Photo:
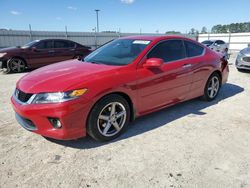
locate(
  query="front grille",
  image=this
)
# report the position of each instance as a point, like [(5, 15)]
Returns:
[(21, 96), (246, 59)]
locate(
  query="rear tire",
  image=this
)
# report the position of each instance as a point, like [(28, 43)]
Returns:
[(212, 87), (109, 118)]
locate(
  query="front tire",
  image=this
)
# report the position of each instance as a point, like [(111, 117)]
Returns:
[(212, 87), (108, 118), (78, 57), (16, 65)]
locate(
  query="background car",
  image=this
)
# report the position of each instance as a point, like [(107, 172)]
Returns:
[(216, 45), (243, 59), (124, 79), (39, 53)]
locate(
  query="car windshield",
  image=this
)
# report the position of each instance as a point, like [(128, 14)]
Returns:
[(207, 42), (30, 44), (118, 52)]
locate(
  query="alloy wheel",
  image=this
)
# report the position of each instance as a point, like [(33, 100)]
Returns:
[(111, 119), (16, 65), (213, 87)]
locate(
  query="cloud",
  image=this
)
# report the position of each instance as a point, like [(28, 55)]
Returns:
[(71, 8), (14, 12), (128, 1), (59, 18)]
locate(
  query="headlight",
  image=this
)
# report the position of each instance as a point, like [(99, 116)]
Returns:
[(43, 98), (2, 54)]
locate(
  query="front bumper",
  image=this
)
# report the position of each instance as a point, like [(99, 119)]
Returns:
[(72, 115), (242, 64), (3, 62)]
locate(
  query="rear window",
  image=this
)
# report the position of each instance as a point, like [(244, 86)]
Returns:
[(45, 44), (207, 42), (61, 44), (220, 42), (193, 49), (71, 44)]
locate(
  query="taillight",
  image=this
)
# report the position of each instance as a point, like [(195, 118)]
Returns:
[(224, 63)]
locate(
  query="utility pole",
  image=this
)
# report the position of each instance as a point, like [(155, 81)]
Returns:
[(66, 32), (30, 32), (95, 37), (97, 20)]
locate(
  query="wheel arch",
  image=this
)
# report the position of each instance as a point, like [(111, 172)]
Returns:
[(217, 72), (125, 96), (19, 57)]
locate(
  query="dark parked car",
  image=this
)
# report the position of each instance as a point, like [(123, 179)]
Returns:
[(39, 53)]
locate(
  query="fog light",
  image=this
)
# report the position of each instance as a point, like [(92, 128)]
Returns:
[(55, 122)]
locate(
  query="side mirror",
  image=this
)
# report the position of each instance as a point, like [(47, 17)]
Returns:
[(153, 63)]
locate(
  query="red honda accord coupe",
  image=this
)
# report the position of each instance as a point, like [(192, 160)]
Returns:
[(124, 79)]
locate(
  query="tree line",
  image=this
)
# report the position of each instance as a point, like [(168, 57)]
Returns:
[(228, 28), (232, 28)]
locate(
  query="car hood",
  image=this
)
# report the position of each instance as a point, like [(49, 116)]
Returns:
[(11, 49), (246, 51), (63, 76)]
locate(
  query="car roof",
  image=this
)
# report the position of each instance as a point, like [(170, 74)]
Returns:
[(214, 40), (54, 39), (153, 37), (210, 40)]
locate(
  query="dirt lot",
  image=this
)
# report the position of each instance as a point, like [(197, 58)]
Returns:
[(193, 144)]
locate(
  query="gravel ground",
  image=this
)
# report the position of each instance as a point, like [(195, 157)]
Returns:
[(193, 144)]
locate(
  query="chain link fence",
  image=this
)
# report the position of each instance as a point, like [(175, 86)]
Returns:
[(93, 39)]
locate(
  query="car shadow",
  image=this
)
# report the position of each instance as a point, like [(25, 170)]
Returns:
[(244, 70), (157, 119), (11, 73)]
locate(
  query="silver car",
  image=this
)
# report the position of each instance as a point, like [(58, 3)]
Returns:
[(243, 59), (216, 45)]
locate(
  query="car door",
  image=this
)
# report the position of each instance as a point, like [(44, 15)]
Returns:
[(198, 65), (41, 54), (63, 50), (168, 84)]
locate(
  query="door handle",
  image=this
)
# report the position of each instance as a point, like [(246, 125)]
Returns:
[(187, 65)]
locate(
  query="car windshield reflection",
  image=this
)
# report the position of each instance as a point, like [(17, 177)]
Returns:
[(118, 52)]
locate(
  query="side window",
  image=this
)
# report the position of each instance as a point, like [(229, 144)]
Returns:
[(220, 42), (61, 44), (170, 50), (45, 45), (193, 49), (71, 44)]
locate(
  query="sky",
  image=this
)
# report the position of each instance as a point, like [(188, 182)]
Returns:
[(147, 16)]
